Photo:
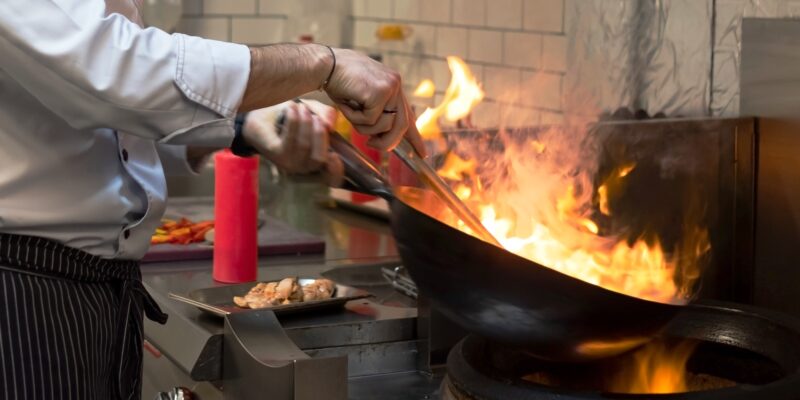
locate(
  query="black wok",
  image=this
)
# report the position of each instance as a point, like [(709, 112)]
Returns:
[(497, 294)]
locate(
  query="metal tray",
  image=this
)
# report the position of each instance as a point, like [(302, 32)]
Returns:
[(219, 300)]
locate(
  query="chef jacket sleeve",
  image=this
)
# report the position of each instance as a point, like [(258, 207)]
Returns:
[(174, 161), (111, 73)]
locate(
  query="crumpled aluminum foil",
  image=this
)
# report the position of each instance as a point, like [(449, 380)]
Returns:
[(648, 55), (679, 57)]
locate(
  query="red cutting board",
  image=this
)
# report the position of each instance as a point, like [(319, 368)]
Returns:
[(275, 237)]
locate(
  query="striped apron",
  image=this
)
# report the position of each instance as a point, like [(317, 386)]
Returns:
[(70, 323)]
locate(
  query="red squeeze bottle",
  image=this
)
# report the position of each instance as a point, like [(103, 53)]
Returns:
[(236, 217)]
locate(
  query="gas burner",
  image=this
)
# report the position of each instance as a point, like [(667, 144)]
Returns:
[(738, 353)]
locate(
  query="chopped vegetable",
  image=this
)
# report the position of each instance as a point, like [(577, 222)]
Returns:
[(183, 231)]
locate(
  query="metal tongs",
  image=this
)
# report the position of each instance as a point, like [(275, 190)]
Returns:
[(406, 152)]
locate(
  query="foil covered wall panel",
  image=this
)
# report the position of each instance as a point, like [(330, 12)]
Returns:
[(728, 45), (652, 55)]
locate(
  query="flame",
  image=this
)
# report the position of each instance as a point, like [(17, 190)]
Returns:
[(539, 206), (640, 269), (562, 235), (425, 89), (462, 94), (625, 170), (456, 168), (614, 180), (656, 368)]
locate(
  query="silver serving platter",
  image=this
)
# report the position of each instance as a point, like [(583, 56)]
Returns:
[(219, 300)]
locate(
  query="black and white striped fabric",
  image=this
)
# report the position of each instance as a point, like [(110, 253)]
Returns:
[(70, 323)]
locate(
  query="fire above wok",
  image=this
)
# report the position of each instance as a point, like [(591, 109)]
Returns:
[(498, 294)]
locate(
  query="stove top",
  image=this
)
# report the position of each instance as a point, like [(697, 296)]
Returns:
[(738, 353)]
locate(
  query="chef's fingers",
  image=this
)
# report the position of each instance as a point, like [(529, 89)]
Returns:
[(305, 142), (325, 112), (334, 170), (369, 112), (388, 140), (319, 142), (384, 124), (290, 128)]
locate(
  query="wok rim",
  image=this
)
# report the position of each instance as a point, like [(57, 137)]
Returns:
[(397, 199)]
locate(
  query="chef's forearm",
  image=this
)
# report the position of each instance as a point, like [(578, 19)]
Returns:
[(284, 71)]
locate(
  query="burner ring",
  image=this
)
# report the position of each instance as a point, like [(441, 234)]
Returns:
[(758, 349)]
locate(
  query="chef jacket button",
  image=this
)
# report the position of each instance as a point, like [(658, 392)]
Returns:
[(126, 233), (124, 155)]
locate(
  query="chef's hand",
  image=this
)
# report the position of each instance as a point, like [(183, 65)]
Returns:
[(371, 96), (300, 144)]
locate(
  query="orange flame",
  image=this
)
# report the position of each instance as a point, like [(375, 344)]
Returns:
[(541, 216), (456, 168), (613, 180), (425, 89), (656, 368), (462, 94)]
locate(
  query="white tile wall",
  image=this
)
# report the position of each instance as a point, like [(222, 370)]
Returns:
[(522, 49), (441, 75), (434, 11), (254, 22), (192, 7), (554, 53), (451, 41), (359, 8), (505, 42), (543, 15), (364, 34), (211, 28), (274, 7), (379, 8), (470, 12), (252, 30), (406, 10), (504, 14), (485, 46), (229, 7), (502, 83), (425, 37)]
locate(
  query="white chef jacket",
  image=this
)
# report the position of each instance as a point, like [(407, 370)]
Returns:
[(90, 103)]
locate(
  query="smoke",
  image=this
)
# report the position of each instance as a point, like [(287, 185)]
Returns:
[(543, 185)]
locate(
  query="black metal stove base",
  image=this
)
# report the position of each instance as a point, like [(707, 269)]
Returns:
[(757, 349)]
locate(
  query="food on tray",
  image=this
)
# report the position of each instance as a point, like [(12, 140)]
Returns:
[(287, 291), (320, 289), (183, 231)]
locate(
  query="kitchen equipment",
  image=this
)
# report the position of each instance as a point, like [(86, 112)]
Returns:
[(742, 353), (218, 300), (498, 294)]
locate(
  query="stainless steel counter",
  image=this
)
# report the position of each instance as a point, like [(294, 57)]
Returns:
[(356, 247)]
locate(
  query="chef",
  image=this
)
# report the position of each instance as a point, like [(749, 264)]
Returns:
[(93, 109)]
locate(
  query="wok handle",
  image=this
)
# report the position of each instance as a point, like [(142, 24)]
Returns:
[(360, 172)]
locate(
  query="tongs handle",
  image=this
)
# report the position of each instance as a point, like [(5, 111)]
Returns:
[(360, 172)]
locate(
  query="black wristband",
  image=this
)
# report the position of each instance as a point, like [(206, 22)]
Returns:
[(327, 80), (239, 146)]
